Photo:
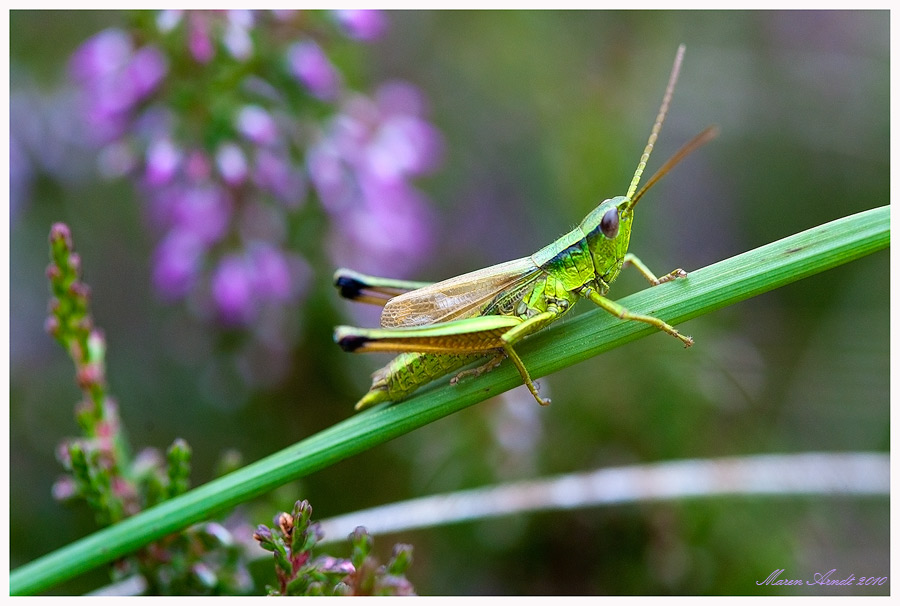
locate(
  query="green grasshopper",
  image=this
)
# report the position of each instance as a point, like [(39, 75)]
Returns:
[(439, 328)]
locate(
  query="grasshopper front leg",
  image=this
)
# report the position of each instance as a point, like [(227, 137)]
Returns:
[(631, 259)]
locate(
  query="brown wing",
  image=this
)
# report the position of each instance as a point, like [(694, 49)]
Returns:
[(460, 297)]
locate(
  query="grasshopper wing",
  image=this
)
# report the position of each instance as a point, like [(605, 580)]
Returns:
[(464, 296)]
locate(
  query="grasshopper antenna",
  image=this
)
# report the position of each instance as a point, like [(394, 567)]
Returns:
[(707, 134), (660, 117)]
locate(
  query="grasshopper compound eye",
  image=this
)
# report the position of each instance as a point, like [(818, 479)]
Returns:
[(609, 224)]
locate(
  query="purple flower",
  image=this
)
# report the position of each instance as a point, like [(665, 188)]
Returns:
[(246, 282), (241, 18), (199, 41), (145, 71), (232, 290), (163, 160), (167, 20), (392, 224), (311, 67), (271, 273), (275, 173), (398, 97), (203, 210), (283, 14), (351, 130), (202, 188), (197, 166), (404, 145), (362, 24), (236, 37), (109, 97), (334, 565), (257, 125), (177, 263), (330, 176), (105, 103), (401, 215), (155, 123), (360, 170), (100, 55), (231, 163), (388, 137), (112, 79)]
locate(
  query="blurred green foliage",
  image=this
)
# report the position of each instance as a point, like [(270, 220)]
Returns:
[(544, 113)]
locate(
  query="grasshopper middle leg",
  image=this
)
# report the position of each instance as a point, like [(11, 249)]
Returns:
[(516, 334), (622, 313)]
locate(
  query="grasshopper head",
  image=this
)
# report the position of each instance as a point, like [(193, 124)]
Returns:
[(608, 230), (608, 227)]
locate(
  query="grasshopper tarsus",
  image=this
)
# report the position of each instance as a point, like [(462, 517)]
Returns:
[(688, 341), (540, 400), (675, 274)]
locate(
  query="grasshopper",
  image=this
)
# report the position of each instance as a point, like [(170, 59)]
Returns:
[(441, 327)]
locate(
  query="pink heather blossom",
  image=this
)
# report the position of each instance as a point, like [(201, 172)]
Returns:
[(177, 263), (314, 70), (199, 41), (361, 24), (232, 163), (163, 161), (257, 125), (232, 290)]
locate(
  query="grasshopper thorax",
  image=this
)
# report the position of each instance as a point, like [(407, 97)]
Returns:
[(607, 230)]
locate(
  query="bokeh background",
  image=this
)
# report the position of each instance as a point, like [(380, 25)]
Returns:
[(541, 115)]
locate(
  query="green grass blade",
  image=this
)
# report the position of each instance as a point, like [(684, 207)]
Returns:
[(705, 290)]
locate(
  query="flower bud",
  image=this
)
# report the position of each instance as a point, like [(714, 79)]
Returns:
[(286, 523), (264, 537), (401, 558), (60, 232)]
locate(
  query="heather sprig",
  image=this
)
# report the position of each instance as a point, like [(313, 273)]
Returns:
[(204, 558), (228, 122), (291, 542), (98, 460)]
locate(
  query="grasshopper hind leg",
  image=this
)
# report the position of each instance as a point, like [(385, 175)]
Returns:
[(494, 362)]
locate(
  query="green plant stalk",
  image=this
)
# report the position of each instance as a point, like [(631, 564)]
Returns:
[(705, 290)]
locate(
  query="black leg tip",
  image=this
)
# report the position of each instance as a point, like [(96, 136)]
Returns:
[(351, 343), (350, 288)]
